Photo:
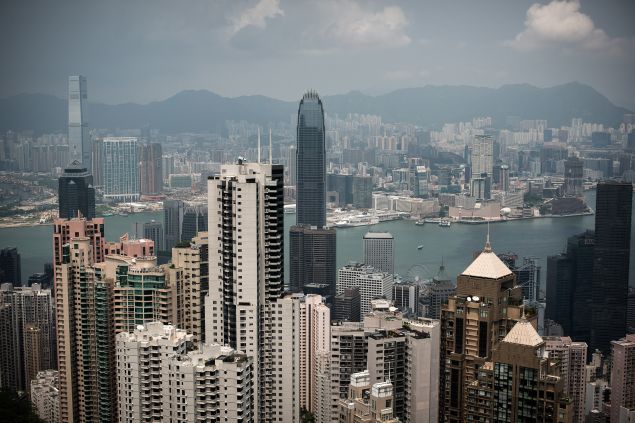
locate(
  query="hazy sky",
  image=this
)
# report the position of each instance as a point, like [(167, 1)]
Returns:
[(144, 50)]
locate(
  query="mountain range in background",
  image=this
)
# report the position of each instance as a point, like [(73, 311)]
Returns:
[(429, 106)]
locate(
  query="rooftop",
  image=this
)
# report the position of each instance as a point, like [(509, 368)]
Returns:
[(523, 333), (487, 265)]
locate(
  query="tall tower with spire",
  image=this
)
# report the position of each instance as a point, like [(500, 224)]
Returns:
[(485, 307)]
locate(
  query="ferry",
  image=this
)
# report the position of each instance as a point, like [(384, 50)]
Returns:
[(420, 222), (419, 247), (444, 223)]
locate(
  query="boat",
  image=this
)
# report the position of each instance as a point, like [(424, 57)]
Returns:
[(419, 247), (444, 223), (420, 222)]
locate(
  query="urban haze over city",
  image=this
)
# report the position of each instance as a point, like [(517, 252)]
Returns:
[(317, 211)]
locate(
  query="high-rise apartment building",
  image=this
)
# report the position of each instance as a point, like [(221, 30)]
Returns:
[(486, 305), (312, 257), (367, 402), (246, 272), (379, 251), (30, 333), (120, 158), (159, 379), (311, 162), (78, 136), (482, 156), (76, 192), (623, 378), (572, 358), (45, 396), (150, 169), (372, 284), (10, 266), (611, 258)]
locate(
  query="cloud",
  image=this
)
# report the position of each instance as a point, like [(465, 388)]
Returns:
[(407, 74), (257, 15), (560, 22), (346, 23)]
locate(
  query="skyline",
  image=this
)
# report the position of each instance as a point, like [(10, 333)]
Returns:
[(262, 47)]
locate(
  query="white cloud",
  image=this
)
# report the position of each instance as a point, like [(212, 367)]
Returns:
[(560, 22), (257, 15), (346, 23)]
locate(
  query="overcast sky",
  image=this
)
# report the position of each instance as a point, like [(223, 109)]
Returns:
[(145, 50)]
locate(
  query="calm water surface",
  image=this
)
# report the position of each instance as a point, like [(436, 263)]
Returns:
[(537, 238)]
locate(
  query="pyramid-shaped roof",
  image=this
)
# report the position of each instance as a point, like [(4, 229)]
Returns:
[(487, 264), (523, 333)]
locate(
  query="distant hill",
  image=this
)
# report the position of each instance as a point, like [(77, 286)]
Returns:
[(197, 111)]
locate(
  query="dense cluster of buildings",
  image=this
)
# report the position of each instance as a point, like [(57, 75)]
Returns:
[(214, 334)]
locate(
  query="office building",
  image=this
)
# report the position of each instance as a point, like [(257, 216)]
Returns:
[(472, 323), (154, 230), (45, 396), (312, 249), (98, 169), (379, 251), (312, 257), (362, 192), (366, 402), (311, 164), (347, 306), (194, 220), (372, 284), (246, 271), (573, 176), (120, 158), (10, 266), (172, 219), (159, 379), (623, 378), (572, 358), (292, 166), (504, 178), (405, 296), (611, 258), (438, 293), (150, 169), (78, 136), (76, 193), (569, 287)]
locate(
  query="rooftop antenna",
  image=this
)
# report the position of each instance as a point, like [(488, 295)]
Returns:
[(488, 246), (270, 155), (259, 145)]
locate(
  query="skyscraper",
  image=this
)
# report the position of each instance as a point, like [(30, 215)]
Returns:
[(246, 272), (120, 169), (482, 156), (154, 230), (623, 377), (611, 263), (486, 306), (573, 176), (194, 220), (78, 136), (150, 168), (76, 192), (311, 162), (379, 251), (312, 251), (372, 283), (10, 266), (172, 218), (312, 257)]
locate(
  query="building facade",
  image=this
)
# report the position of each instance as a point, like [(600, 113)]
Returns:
[(120, 169), (76, 193), (78, 136), (379, 251)]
